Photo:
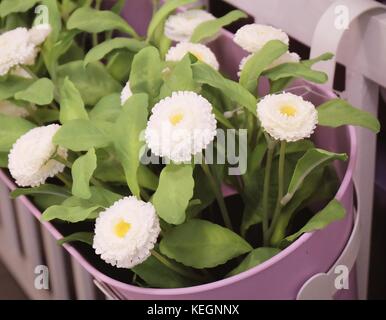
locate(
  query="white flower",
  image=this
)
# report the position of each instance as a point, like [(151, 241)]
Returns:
[(285, 58), (180, 27), (126, 232), (200, 51), (20, 72), (287, 116), (10, 109), (126, 93), (30, 161), (252, 37), (19, 47), (39, 33), (180, 126)]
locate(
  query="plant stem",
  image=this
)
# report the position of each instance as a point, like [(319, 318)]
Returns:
[(220, 199), (280, 189), (267, 184), (95, 35), (175, 268), (62, 178)]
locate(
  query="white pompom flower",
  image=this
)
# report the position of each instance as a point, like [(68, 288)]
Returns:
[(20, 47), (126, 93), (288, 57), (180, 126), (253, 37), (180, 27), (126, 232), (200, 51), (30, 159), (287, 116), (10, 109)]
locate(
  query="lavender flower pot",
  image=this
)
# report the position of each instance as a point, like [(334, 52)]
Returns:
[(282, 276)]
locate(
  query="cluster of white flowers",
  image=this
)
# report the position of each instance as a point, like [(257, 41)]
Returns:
[(126, 232), (20, 46), (30, 159), (180, 126), (287, 116)]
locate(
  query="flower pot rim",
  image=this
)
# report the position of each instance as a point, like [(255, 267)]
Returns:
[(345, 183)]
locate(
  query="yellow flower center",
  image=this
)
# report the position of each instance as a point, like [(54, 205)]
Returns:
[(176, 118), (121, 228), (198, 56), (288, 110)]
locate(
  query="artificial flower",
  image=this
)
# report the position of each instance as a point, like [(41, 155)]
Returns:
[(126, 93), (180, 126), (180, 27), (253, 37), (30, 159), (20, 46), (200, 51), (287, 57), (287, 116), (126, 232)]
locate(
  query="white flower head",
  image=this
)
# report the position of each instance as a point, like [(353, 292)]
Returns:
[(285, 58), (200, 51), (20, 47), (126, 93), (253, 37), (39, 33), (287, 116), (126, 232), (10, 109), (180, 126), (29, 160), (180, 27)]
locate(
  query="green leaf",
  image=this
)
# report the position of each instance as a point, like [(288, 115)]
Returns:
[(332, 212), (11, 6), (12, 85), (119, 64), (254, 258), (127, 142), (54, 18), (203, 73), (82, 171), (93, 81), (85, 237), (46, 189), (259, 61), (161, 15), (107, 109), (323, 57), (70, 214), (80, 135), (296, 70), (100, 197), (11, 128), (311, 160), (180, 79), (3, 159), (174, 191), (202, 244), (146, 178), (338, 112), (40, 92), (146, 72), (95, 21), (209, 29), (157, 275), (71, 103), (101, 50)]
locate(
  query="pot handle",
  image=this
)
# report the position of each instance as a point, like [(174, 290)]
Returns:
[(328, 33)]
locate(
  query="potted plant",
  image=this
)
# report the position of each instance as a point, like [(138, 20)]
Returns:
[(187, 183)]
